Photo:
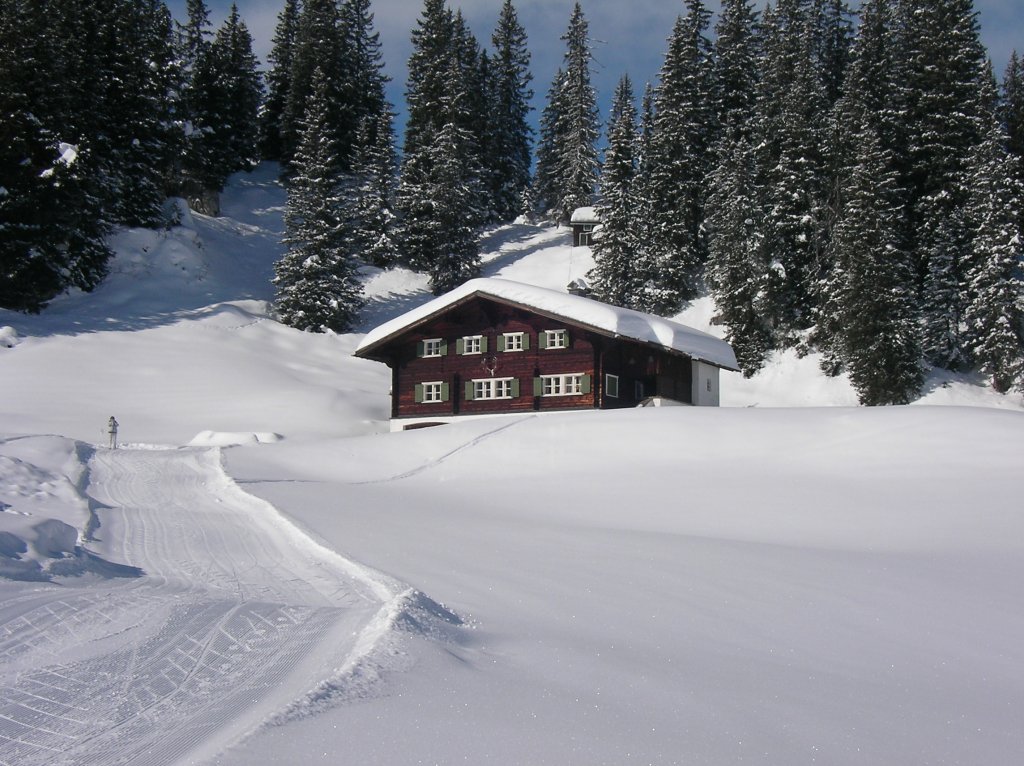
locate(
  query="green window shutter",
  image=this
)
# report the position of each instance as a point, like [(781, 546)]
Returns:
[(542, 339), (421, 348), (526, 341), (483, 344), (538, 387), (460, 346), (444, 348), (501, 343), (446, 393), (515, 388), (418, 396), (585, 384), (469, 390), (568, 340)]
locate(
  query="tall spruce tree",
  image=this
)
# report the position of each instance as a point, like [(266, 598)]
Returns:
[(241, 91), (614, 278), (790, 136), (76, 159), (736, 65), (318, 45), (317, 283), (684, 131), (1012, 110), (944, 81), (739, 273), (279, 80), (510, 67), (372, 193), (832, 31), (442, 193), (994, 315), (873, 287), (546, 181), (570, 129), (365, 80)]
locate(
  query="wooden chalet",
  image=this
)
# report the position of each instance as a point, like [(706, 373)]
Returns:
[(495, 347), (584, 222)]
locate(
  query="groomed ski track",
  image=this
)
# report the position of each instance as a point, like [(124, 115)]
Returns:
[(237, 618)]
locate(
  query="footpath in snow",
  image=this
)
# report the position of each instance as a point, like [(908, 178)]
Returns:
[(236, 618)]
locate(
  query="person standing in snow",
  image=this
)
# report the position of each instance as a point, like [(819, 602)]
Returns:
[(112, 430)]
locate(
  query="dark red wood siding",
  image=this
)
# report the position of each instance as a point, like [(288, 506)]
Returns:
[(588, 353)]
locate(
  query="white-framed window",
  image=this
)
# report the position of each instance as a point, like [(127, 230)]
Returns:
[(513, 341), (492, 388), (611, 386), (551, 339), (432, 347), (573, 384), (471, 344), (432, 392)]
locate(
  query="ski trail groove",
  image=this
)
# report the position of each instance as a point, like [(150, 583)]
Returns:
[(238, 617)]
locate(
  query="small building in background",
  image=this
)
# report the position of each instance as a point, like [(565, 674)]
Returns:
[(584, 221), (493, 347)]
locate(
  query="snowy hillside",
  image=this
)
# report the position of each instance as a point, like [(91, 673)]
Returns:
[(784, 580)]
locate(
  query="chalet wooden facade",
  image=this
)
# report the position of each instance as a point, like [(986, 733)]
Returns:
[(496, 347)]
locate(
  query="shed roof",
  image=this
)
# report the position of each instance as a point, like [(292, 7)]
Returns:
[(585, 215), (608, 320)]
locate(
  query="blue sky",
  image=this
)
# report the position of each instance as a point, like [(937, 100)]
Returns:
[(628, 35)]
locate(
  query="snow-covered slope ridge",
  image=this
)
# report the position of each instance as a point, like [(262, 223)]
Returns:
[(600, 316)]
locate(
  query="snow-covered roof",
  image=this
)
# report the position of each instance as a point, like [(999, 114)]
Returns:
[(585, 215), (610, 320)]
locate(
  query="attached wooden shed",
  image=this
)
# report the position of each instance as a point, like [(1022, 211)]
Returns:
[(493, 346)]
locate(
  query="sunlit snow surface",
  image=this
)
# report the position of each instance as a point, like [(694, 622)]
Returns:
[(779, 581)]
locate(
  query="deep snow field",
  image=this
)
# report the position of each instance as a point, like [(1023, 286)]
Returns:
[(261, 574)]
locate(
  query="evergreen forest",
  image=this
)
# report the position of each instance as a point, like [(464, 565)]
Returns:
[(845, 183)]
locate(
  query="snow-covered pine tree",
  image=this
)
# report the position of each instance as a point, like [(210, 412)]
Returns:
[(225, 92), (510, 66), (1012, 110), (577, 127), (944, 79), (873, 98), (372, 190), (279, 80), (684, 131), (52, 221), (546, 181), (430, 65), (790, 139), (125, 104), (994, 315), (318, 45), (738, 271), (473, 113), (736, 54), (451, 194), (427, 85), (832, 25), (237, 129), (362, 89), (317, 282), (873, 293), (613, 279)]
